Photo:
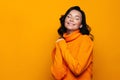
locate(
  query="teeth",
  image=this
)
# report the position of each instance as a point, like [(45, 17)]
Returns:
[(71, 24)]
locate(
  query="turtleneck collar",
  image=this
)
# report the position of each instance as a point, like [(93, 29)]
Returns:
[(71, 36)]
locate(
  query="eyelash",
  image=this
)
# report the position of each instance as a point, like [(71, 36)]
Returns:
[(75, 18), (68, 16)]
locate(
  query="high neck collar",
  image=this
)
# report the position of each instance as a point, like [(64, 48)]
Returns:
[(72, 36)]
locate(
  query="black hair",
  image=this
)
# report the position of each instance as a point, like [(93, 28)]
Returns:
[(85, 28)]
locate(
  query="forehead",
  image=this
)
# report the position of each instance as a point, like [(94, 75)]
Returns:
[(75, 12)]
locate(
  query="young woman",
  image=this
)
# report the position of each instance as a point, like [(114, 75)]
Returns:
[(73, 53)]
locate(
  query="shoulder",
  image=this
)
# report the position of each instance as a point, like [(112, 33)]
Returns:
[(87, 39), (86, 36)]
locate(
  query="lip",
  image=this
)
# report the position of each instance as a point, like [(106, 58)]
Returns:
[(71, 23)]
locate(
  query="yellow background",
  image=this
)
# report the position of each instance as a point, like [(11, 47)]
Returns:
[(28, 31)]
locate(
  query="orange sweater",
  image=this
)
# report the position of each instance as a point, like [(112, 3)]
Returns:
[(72, 57)]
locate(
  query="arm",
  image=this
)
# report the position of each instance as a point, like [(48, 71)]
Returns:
[(83, 59), (58, 68)]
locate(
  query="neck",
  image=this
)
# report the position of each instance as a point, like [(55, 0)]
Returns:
[(70, 31)]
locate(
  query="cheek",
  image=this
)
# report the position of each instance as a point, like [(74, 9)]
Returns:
[(78, 23), (66, 20), (65, 23)]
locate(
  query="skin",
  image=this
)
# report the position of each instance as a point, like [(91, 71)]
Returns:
[(73, 21)]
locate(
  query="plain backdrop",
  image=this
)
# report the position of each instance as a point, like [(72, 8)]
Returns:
[(28, 31)]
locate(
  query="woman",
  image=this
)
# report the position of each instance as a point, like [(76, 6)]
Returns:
[(72, 57)]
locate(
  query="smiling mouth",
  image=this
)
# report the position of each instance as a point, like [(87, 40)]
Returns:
[(71, 24)]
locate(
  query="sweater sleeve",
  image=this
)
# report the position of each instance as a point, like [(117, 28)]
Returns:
[(58, 68), (81, 62)]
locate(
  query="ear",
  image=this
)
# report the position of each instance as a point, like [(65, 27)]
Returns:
[(81, 26)]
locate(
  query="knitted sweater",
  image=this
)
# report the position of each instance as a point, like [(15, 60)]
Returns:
[(72, 57)]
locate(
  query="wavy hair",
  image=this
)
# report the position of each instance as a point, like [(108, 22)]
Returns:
[(85, 28)]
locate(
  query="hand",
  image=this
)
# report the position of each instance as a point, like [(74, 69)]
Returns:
[(60, 39)]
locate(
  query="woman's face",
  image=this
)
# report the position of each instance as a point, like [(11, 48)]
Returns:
[(73, 21)]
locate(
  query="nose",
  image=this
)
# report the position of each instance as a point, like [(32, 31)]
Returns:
[(71, 19)]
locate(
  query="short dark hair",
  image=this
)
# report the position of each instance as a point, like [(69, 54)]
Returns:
[(85, 28)]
